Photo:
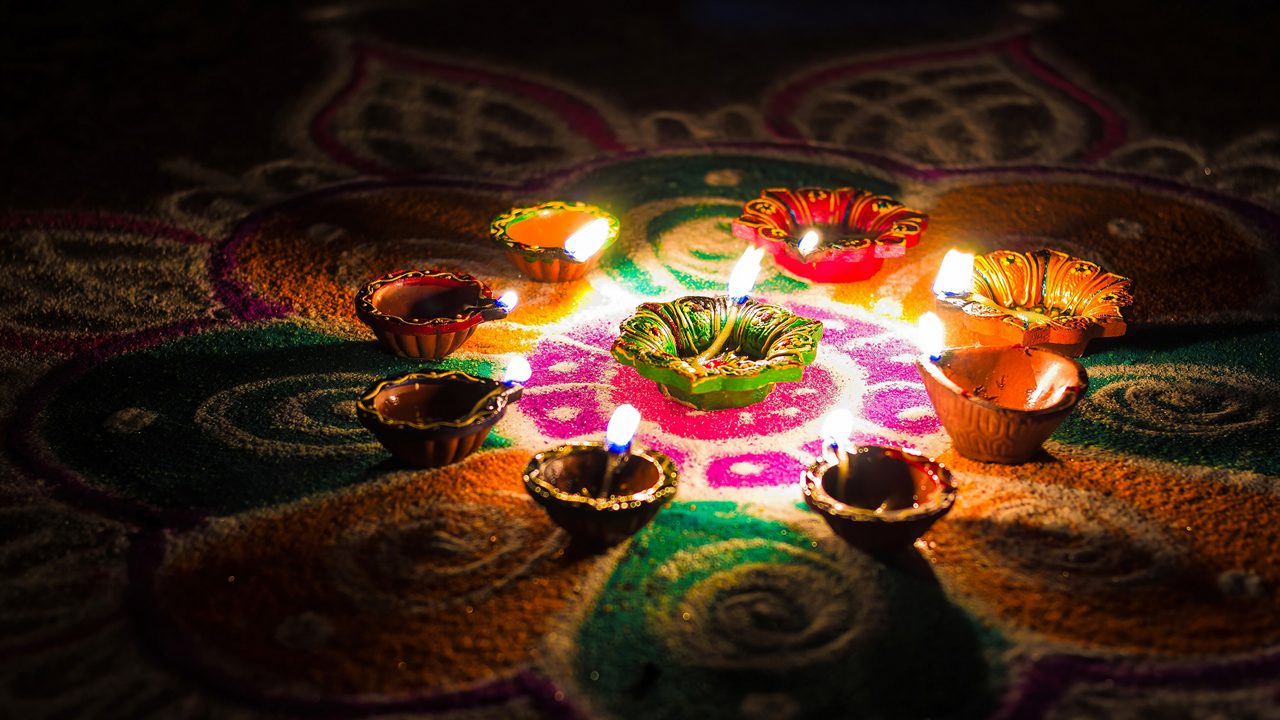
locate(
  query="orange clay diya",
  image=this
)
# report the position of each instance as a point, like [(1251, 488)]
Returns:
[(999, 404), (1043, 298), (879, 499), (601, 494), (436, 417), (555, 241), (428, 314), (829, 236)]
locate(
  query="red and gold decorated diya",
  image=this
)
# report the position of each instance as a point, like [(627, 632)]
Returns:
[(1043, 298), (427, 314), (435, 417), (829, 236), (555, 241), (879, 499)]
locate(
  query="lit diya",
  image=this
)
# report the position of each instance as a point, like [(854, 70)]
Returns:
[(876, 499), (437, 417), (997, 403), (602, 494), (428, 314), (716, 353), (1043, 298), (831, 236), (555, 241)]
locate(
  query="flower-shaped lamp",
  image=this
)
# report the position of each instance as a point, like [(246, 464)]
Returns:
[(1040, 298), (849, 231), (555, 241), (436, 417), (767, 345), (426, 314), (880, 499)]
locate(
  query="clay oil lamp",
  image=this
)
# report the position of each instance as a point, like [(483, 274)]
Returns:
[(716, 353), (432, 418), (428, 314), (876, 499), (829, 236), (555, 241), (1043, 298), (997, 403), (599, 493)]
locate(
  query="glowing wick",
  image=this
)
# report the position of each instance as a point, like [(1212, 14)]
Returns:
[(744, 274), (955, 276), (587, 240), (617, 439), (518, 370), (622, 428), (809, 242), (931, 336), (836, 427), (507, 300)]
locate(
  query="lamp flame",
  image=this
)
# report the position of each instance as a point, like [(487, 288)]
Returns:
[(507, 300), (587, 240), (955, 276), (931, 336), (622, 428), (744, 274), (809, 242), (836, 428), (518, 370)]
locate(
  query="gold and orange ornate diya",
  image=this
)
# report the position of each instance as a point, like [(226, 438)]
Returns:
[(427, 314), (555, 241), (1040, 298), (760, 345), (830, 236)]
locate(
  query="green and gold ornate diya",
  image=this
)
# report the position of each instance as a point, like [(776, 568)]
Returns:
[(554, 241), (760, 345)]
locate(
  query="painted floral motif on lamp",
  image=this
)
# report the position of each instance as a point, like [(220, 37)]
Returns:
[(840, 235)]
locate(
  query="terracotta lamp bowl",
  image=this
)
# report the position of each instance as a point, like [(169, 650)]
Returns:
[(1041, 298), (768, 345), (567, 482), (999, 404), (436, 417), (425, 314), (858, 230), (533, 238), (885, 499)]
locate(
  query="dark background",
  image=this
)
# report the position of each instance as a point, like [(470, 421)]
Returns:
[(97, 95)]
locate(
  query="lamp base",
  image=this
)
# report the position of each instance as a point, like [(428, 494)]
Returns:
[(721, 400)]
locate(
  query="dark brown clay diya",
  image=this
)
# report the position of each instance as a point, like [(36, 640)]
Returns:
[(999, 404), (436, 417), (879, 499), (428, 314), (600, 505)]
